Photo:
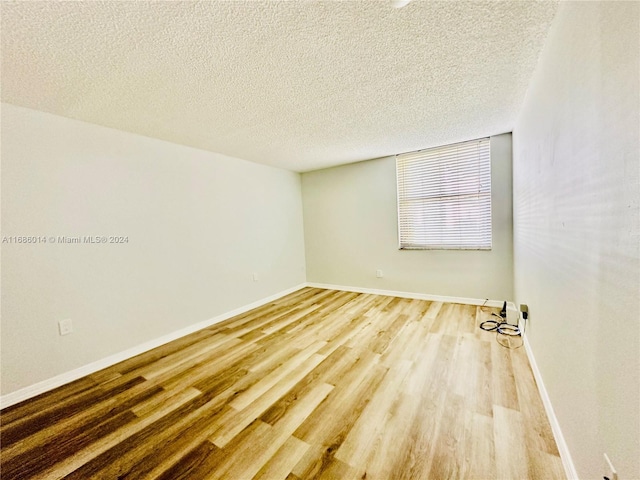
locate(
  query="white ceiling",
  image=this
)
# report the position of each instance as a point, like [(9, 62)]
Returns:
[(296, 84)]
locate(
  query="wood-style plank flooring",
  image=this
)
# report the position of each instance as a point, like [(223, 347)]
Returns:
[(318, 384)]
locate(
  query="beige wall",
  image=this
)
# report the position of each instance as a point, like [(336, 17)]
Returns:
[(576, 228), (199, 224), (350, 221)]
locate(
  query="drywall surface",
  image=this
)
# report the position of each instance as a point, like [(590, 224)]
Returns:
[(576, 229), (351, 230), (198, 225)]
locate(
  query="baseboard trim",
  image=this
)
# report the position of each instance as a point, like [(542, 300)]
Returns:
[(418, 296), (565, 455), (67, 377)]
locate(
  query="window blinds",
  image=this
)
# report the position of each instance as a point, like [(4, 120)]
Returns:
[(444, 197)]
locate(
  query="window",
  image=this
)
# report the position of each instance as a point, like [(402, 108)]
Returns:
[(444, 197)]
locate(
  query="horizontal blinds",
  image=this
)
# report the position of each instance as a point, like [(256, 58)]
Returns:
[(444, 197)]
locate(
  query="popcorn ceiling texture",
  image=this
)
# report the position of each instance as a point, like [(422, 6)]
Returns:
[(300, 84)]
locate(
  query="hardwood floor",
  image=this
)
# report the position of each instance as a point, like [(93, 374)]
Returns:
[(318, 384)]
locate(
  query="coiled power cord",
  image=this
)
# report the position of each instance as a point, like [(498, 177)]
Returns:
[(503, 327)]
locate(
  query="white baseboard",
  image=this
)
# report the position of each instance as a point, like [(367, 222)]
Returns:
[(64, 378), (565, 455), (418, 296)]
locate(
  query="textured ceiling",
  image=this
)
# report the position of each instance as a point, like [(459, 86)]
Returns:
[(297, 84)]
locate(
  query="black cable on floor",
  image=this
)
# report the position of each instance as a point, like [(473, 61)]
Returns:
[(503, 327)]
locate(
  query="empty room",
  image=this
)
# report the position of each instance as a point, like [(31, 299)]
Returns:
[(317, 239)]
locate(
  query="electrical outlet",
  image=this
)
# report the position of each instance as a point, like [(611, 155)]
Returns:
[(254, 276), (379, 273), (610, 471), (65, 327)]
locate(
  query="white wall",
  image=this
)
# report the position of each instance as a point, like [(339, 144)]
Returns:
[(576, 229), (350, 221), (198, 225)]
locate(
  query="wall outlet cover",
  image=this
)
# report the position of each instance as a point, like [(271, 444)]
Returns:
[(65, 327)]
